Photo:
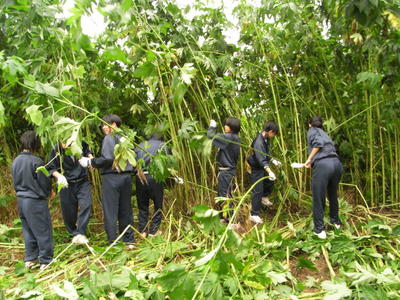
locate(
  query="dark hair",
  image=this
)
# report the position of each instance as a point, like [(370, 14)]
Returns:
[(271, 125), (111, 118), (30, 141), (156, 136), (233, 124), (316, 121)]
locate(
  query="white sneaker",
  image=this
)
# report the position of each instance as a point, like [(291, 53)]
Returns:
[(43, 267), (155, 234), (233, 226), (321, 235), (266, 202), (80, 239), (256, 219), (130, 246), (337, 226), (31, 264)]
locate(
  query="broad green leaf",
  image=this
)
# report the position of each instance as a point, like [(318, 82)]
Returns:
[(35, 114), (188, 127), (305, 263), (369, 80), (43, 170), (114, 54), (147, 69), (277, 277), (178, 93), (68, 291), (121, 281), (187, 73), (335, 291), (254, 284), (134, 295), (171, 276), (206, 258), (67, 131), (126, 5), (232, 285), (45, 89)]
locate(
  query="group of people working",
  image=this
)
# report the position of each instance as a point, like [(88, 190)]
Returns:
[(33, 187), (323, 158)]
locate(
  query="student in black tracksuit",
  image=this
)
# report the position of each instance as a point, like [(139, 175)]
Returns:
[(259, 161), (147, 188), (76, 194), (326, 173), (32, 189), (228, 144), (116, 188)]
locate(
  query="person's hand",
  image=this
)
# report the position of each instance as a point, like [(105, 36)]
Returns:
[(85, 162), (62, 181), (276, 162), (213, 123), (308, 163), (178, 180), (272, 176)]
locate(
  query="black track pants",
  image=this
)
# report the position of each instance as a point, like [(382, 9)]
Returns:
[(144, 192), (326, 176), (117, 208), (262, 189), (36, 229), (76, 204)]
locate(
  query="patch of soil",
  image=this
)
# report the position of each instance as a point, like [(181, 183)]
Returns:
[(302, 274)]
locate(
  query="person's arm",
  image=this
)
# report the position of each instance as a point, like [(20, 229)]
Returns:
[(218, 140), (43, 181), (316, 143), (107, 154), (260, 155), (85, 150), (313, 152)]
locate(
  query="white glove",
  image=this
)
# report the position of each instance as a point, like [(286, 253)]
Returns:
[(178, 180), (85, 162), (213, 123), (272, 176), (62, 181), (297, 165), (276, 162)]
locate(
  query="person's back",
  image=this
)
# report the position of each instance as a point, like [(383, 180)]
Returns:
[(75, 194), (105, 162), (146, 186), (27, 182), (260, 160), (259, 157), (72, 170), (147, 149), (33, 188), (228, 144), (228, 155), (116, 185), (317, 137)]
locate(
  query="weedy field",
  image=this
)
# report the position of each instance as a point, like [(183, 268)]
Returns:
[(197, 257)]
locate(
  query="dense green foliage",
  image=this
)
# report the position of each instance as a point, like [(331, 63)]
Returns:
[(163, 72), (156, 69)]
